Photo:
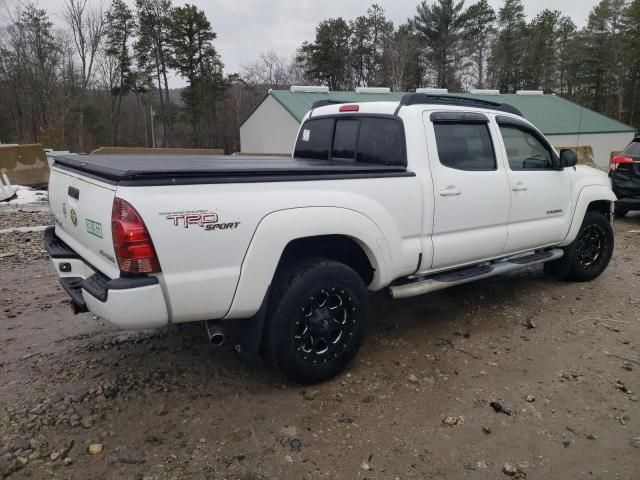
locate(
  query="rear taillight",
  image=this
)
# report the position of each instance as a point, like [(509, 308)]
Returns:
[(618, 160), (131, 240), (349, 108)]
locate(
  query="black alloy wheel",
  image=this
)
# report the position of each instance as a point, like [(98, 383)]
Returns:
[(591, 245), (325, 326)]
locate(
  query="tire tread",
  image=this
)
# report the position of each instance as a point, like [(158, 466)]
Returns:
[(292, 278)]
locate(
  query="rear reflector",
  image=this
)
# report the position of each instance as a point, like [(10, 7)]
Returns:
[(131, 240), (619, 160), (349, 108)]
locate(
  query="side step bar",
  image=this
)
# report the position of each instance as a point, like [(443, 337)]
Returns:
[(420, 285)]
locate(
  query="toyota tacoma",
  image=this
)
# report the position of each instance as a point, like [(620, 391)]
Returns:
[(277, 255)]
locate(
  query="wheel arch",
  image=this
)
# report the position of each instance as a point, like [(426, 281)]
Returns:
[(341, 234), (341, 248), (593, 197)]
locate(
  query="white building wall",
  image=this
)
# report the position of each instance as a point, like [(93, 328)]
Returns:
[(270, 129), (601, 143)]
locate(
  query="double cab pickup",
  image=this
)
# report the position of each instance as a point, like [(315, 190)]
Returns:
[(277, 255)]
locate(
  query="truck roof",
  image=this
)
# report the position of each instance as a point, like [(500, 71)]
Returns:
[(410, 99), (394, 108)]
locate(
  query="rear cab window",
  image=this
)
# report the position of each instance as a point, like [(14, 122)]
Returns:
[(381, 141), (359, 138), (464, 141)]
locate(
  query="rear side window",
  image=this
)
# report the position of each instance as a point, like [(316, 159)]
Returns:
[(314, 139), (633, 148), (381, 141), (358, 138), (465, 146)]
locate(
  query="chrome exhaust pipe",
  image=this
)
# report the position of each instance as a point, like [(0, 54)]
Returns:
[(215, 332)]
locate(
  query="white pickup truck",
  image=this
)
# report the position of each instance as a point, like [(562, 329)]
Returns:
[(276, 254)]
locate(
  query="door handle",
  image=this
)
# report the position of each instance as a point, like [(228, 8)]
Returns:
[(450, 191), (519, 187)]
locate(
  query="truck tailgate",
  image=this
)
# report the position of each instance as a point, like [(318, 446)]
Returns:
[(81, 207)]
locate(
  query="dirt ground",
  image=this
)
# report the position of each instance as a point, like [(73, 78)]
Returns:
[(560, 362)]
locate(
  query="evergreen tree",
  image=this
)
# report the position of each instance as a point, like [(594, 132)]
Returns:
[(441, 27), (508, 51), (326, 60), (479, 32), (360, 49), (604, 69), (632, 57), (369, 37), (153, 52), (120, 29), (540, 62), (567, 53), (211, 88), (380, 30), (196, 59)]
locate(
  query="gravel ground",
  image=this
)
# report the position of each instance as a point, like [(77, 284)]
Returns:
[(11, 218), (21, 250), (518, 376)]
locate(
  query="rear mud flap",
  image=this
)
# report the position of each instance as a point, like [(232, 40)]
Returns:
[(248, 333)]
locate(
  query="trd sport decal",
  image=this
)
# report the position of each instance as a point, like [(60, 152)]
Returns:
[(206, 219)]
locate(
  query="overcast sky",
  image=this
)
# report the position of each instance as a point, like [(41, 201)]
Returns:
[(247, 27)]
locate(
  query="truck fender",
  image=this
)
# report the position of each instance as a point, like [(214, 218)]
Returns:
[(277, 229), (587, 195)]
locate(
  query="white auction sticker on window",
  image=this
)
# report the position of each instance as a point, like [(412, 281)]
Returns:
[(306, 135)]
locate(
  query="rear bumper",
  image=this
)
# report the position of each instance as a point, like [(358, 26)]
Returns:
[(128, 303), (626, 186)]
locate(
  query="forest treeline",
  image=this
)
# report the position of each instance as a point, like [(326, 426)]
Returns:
[(101, 74)]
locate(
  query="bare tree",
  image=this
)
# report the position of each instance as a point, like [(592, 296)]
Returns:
[(401, 58), (87, 25), (270, 70), (31, 59)]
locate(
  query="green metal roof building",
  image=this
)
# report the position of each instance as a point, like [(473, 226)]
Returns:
[(272, 125)]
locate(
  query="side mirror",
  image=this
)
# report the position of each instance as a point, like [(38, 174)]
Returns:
[(568, 158)]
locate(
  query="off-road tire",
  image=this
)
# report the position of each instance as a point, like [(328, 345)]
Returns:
[(298, 291), (589, 254)]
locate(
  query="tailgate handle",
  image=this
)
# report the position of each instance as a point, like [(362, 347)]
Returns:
[(74, 193)]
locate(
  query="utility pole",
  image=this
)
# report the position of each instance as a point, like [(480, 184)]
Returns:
[(152, 114), (81, 132)]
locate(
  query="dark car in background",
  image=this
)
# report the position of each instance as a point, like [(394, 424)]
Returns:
[(624, 171)]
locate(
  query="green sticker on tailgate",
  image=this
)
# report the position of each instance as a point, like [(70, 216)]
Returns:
[(94, 228)]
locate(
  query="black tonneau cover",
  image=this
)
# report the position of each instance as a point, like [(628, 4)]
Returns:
[(176, 169)]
